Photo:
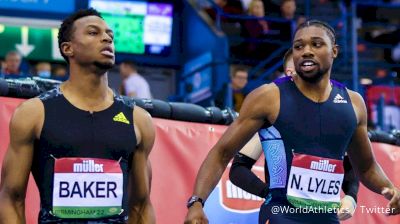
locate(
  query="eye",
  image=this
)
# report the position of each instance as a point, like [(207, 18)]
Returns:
[(93, 33), (297, 46), (318, 44)]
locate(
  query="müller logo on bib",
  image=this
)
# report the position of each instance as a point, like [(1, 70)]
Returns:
[(233, 198), (323, 165), (87, 188), (88, 166)]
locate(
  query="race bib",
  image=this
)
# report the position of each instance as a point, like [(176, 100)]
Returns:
[(315, 182), (87, 188)]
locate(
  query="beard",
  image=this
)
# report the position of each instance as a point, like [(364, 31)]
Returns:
[(312, 77), (103, 66)]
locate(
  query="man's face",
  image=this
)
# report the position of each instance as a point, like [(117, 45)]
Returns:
[(313, 53), (288, 8), (92, 43), (239, 80), (43, 67), (13, 62), (257, 9)]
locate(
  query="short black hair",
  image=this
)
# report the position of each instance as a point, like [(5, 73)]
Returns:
[(66, 29), (329, 30), (288, 54)]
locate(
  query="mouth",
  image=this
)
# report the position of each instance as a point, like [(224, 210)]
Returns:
[(107, 51), (308, 65)]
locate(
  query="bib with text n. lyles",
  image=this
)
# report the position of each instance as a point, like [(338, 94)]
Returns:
[(315, 182), (87, 188)]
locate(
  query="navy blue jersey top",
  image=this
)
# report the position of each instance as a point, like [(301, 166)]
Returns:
[(69, 132), (303, 126)]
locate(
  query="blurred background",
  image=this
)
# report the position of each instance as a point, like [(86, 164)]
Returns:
[(212, 52)]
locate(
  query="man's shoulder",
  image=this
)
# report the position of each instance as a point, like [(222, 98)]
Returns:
[(266, 91), (29, 113)]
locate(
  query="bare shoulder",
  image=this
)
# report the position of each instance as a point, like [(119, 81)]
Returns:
[(358, 105), (144, 129), (28, 118), (265, 91), (141, 116), (262, 103), (356, 98)]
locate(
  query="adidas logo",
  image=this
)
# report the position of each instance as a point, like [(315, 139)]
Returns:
[(121, 118), (339, 99)]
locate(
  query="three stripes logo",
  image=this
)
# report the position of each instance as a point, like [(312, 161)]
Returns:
[(339, 99), (121, 118)]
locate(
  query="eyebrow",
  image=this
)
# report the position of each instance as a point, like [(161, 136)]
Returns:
[(97, 27), (312, 38)]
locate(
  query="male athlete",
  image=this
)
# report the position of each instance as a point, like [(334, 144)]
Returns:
[(318, 120), (86, 147), (241, 175)]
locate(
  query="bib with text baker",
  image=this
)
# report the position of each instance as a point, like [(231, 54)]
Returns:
[(315, 182), (87, 188)]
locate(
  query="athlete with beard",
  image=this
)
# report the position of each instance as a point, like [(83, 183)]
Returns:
[(317, 119), (86, 147)]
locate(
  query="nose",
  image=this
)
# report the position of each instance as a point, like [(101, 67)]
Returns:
[(107, 38), (307, 52)]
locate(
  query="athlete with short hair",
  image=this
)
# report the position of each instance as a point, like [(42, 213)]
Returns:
[(87, 148), (318, 120)]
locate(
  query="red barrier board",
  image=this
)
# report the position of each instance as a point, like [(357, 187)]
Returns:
[(179, 150)]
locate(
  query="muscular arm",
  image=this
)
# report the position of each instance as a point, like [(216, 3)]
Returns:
[(360, 152), (141, 210), (253, 115), (17, 161), (240, 173)]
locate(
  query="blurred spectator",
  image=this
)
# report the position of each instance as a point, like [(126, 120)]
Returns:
[(11, 66), (133, 84), (255, 29), (43, 69), (239, 78), (228, 7), (288, 11), (59, 72)]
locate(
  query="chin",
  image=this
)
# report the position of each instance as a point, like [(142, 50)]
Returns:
[(311, 77), (104, 65)]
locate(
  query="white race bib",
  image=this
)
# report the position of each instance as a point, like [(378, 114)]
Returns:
[(315, 182), (87, 188)]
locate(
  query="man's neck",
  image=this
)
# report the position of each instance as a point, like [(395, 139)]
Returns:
[(87, 90), (318, 91)]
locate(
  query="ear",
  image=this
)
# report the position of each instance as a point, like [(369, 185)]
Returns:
[(335, 50), (67, 49)]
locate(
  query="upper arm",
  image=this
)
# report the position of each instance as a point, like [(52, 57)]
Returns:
[(24, 128), (259, 108), (253, 148), (140, 175), (146, 130), (360, 150)]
